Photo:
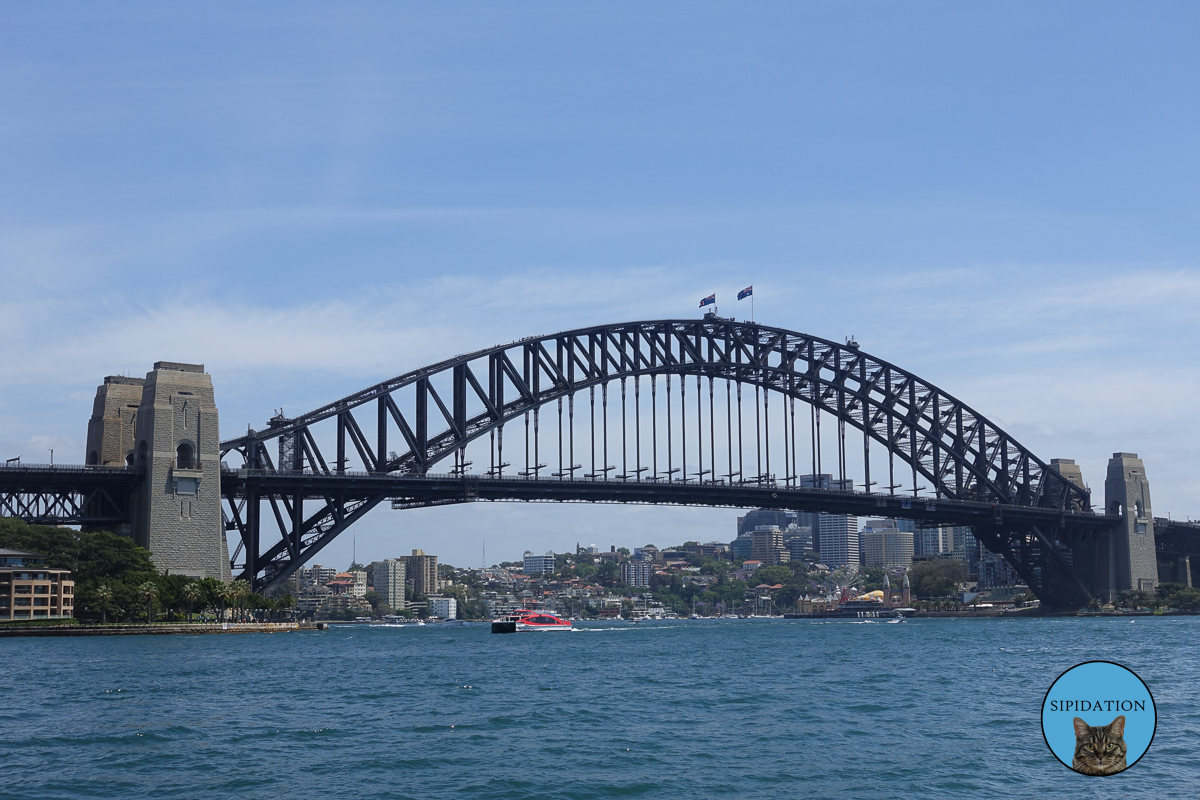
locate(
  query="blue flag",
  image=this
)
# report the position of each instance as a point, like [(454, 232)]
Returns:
[(708, 301), (744, 293)]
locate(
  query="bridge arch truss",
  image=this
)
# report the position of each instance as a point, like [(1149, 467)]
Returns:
[(654, 409)]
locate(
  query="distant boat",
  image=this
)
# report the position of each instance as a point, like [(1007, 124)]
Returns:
[(528, 620)]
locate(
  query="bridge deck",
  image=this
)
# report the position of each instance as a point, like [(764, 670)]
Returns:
[(64, 494), (411, 490)]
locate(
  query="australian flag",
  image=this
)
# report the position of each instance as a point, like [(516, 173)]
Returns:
[(744, 293), (708, 301)]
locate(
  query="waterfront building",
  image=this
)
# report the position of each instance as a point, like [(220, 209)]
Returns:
[(741, 546), (798, 541), (316, 575), (637, 573), (389, 581), (709, 549), (814, 521), (538, 565), (765, 516), (882, 545), (443, 607), (934, 541), (839, 540), (766, 542), (342, 603), (421, 571), (967, 548), (310, 599), (31, 590), (995, 571)]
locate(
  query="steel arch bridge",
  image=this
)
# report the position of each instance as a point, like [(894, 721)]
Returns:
[(695, 412)]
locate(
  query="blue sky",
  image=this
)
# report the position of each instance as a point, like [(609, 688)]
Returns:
[(309, 198)]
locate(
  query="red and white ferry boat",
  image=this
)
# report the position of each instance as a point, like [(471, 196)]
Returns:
[(530, 620)]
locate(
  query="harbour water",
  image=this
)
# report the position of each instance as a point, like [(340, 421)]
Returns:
[(939, 708)]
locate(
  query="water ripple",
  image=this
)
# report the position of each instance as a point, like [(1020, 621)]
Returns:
[(754, 709)]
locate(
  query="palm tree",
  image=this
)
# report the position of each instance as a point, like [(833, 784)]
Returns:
[(241, 590), (228, 594), (148, 591), (191, 593), (104, 596)]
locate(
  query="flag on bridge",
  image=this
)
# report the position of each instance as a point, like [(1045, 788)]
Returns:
[(744, 293), (708, 301)]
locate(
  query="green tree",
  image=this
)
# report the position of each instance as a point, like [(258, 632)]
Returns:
[(1135, 599), (104, 596), (771, 575), (1185, 599), (192, 594), (241, 593), (227, 595), (376, 600), (1168, 588), (871, 578), (148, 592), (936, 578), (93, 559), (286, 602)]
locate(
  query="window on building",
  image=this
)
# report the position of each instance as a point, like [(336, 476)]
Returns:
[(41, 590), (183, 456), (23, 601), (41, 601)]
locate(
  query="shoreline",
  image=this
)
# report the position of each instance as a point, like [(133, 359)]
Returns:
[(165, 629)]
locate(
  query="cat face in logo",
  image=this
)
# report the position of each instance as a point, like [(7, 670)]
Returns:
[(1099, 750)]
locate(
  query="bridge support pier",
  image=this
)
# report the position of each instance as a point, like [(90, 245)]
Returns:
[(176, 509), (1127, 553)]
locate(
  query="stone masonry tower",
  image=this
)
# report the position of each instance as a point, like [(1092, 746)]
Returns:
[(110, 430), (177, 508), (1132, 560)]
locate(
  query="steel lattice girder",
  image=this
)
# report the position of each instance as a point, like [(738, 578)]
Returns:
[(67, 495), (963, 454), (1013, 531)]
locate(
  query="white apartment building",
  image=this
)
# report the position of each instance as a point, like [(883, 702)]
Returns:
[(539, 565), (838, 540), (443, 607)]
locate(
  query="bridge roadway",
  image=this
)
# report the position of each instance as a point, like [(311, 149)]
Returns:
[(419, 490), (101, 497), (67, 494)]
